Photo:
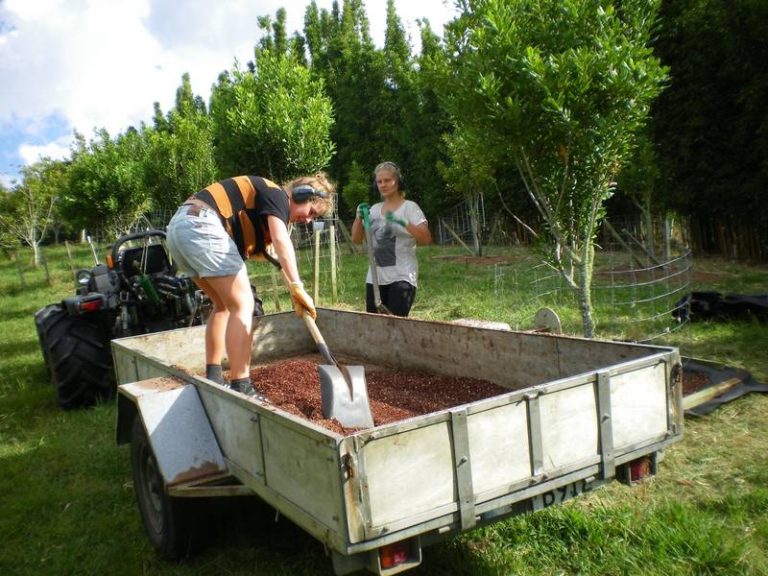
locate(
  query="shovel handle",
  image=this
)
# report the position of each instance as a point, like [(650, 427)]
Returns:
[(314, 331), (318, 338)]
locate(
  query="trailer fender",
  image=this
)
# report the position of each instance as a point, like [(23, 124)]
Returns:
[(177, 428)]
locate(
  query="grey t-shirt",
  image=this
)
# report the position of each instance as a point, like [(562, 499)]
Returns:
[(393, 247)]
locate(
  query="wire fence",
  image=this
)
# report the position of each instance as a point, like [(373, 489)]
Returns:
[(643, 271)]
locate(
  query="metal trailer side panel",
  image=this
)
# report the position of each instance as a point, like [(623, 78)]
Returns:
[(515, 360), (492, 448), (182, 349), (636, 398), (281, 461)]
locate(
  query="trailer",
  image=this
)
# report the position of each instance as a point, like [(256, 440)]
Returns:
[(576, 414)]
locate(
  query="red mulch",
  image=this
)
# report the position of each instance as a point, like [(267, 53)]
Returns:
[(294, 386), (694, 381)]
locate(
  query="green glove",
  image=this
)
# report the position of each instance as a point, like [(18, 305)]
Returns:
[(362, 209), (392, 218)]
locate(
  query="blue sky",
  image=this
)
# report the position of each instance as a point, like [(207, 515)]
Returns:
[(82, 65)]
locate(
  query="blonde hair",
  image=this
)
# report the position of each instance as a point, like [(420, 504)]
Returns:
[(319, 181)]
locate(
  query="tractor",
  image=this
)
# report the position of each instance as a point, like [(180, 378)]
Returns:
[(137, 291)]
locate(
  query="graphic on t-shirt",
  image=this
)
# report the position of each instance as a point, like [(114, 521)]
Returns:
[(385, 247)]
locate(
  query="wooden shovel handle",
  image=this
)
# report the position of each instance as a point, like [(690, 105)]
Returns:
[(322, 347), (313, 329)]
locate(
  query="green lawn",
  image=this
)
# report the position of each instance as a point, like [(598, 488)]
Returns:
[(66, 495)]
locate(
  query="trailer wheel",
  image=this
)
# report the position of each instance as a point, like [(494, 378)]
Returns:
[(76, 353), (168, 522)]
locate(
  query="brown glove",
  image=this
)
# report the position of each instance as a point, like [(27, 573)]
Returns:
[(302, 302)]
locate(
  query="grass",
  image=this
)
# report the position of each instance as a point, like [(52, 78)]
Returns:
[(66, 496)]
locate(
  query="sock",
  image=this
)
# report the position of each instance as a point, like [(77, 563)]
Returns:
[(213, 372)]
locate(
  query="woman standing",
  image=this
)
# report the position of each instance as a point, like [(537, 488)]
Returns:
[(226, 223), (397, 227)]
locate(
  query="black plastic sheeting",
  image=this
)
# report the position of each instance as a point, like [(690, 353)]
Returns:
[(717, 374), (716, 306)]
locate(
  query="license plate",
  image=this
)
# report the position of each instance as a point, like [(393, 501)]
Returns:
[(560, 495)]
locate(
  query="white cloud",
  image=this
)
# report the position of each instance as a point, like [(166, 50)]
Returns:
[(55, 150), (84, 64)]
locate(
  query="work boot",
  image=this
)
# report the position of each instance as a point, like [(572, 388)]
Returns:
[(244, 386), (213, 373)]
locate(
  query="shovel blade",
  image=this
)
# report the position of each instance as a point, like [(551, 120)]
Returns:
[(345, 396)]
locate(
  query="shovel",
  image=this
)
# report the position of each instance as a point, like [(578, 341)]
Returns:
[(380, 307), (342, 388)]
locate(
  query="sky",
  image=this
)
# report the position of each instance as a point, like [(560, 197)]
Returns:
[(81, 65)]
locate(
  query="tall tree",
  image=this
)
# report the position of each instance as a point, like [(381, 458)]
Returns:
[(399, 97), (430, 124), (712, 123), (344, 56), (560, 88), (179, 151), (274, 120)]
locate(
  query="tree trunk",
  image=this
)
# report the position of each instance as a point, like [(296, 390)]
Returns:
[(36, 252), (585, 288), (475, 223), (650, 240)]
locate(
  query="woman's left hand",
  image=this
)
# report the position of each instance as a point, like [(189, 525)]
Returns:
[(394, 219)]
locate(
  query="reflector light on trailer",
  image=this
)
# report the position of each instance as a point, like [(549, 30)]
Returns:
[(110, 262), (640, 469), (393, 554)]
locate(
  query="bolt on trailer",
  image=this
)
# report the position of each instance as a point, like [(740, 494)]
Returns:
[(577, 414)]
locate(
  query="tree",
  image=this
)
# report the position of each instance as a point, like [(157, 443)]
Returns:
[(468, 175), (559, 88), (29, 209), (272, 120), (711, 124), (105, 186), (357, 187), (179, 156), (430, 125), (353, 72), (637, 182)]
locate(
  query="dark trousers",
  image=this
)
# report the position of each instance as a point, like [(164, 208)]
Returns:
[(398, 297)]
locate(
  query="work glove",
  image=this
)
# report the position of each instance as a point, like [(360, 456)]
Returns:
[(302, 302), (362, 208), (394, 219)]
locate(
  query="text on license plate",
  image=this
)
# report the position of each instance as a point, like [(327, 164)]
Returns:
[(561, 494)]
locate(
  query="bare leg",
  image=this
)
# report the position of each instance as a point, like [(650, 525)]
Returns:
[(230, 328), (215, 327)]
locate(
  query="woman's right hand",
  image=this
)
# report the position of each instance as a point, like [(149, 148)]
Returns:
[(302, 301)]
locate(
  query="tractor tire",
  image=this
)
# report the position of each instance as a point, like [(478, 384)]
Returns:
[(77, 355), (168, 521)]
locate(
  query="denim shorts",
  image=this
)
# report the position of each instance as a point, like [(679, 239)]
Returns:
[(200, 246)]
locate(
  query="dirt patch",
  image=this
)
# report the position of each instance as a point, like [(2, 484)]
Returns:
[(294, 386)]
